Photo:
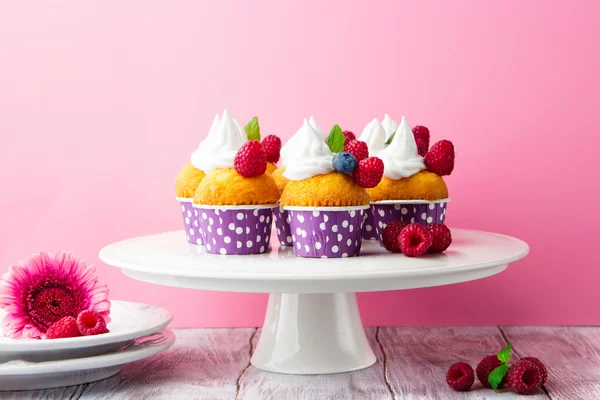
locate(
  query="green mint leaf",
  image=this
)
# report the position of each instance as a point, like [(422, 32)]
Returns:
[(497, 375), (391, 138), (253, 130), (504, 354), (336, 138)]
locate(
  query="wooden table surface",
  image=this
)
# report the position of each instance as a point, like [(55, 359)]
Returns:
[(411, 364)]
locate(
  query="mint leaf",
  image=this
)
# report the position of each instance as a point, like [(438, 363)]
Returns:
[(391, 138), (497, 375), (504, 354), (336, 139), (253, 130)]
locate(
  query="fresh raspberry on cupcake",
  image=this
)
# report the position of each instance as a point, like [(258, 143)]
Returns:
[(250, 160)]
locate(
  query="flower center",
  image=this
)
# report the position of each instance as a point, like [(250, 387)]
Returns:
[(49, 304)]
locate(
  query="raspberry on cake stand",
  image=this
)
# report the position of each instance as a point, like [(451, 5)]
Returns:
[(312, 325)]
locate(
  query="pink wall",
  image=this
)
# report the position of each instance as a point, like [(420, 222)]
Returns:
[(102, 102)]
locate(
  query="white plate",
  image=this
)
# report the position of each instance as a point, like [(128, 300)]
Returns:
[(128, 321), (22, 375)]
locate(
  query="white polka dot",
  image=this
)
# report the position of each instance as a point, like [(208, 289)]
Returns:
[(293, 237), (262, 249), (352, 228), (223, 251), (247, 230), (303, 234), (431, 206), (318, 245), (198, 241), (249, 243), (211, 221), (214, 241), (441, 217), (345, 224), (327, 239), (380, 224), (196, 213), (323, 256), (414, 209), (349, 242), (258, 237), (239, 244), (216, 212), (289, 239), (442, 205), (182, 208), (325, 218), (188, 237), (429, 220), (299, 244), (268, 219), (322, 226), (278, 231), (239, 230), (204, 216), (220, 220), (232, 226), (306, 248), (210, 228), (189, 213), (240, 216), (381, 212), (208, 246), (334, 228), (187, 220), (262, 218), (352, 213), (344, 255), (316, 213), (300, 217), (255, 212), (195, 222), (191, 232), (299, 231), (397, 206), (404, 210), (340, 237), (356, 243), (227, 239), (219, 231), (412, 220), (335, 249), (424, 216), (265, 230)]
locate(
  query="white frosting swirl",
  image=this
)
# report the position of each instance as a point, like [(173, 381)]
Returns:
[(311, 155), (220, 150), (401, 158), (242, 130), (198, 154), (389, 125), (374, 136), (316, 126)]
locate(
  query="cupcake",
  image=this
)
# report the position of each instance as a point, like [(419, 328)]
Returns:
[(408, 191), (187, 182), (235, 200), (323, 197), (374, 135)]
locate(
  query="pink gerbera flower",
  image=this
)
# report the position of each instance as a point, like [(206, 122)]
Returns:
[(44, 289)]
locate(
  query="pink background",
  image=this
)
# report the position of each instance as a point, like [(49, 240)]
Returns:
[(102, 102)]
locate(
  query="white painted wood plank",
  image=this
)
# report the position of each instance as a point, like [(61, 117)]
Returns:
[(366, 384), (202, 364), (417, 359), (571, 354)]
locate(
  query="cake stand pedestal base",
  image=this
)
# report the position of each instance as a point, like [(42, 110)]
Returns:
[(312, 334)]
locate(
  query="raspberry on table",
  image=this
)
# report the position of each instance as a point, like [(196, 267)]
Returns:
[(369, 172), (357, 148), (272, 147), (524, 377), (421, 134), (390, 236), (344, 162), (91, 323), (414, 240), (440, 158), (460, 376), (441, 238), (250, 160), (540, 365), (485, 368), (63, 328)]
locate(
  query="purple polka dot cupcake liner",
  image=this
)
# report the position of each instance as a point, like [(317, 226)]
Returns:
[(409, 211), (190, 221), (326, 232), (282, 224), (369, 232), (236, 230)]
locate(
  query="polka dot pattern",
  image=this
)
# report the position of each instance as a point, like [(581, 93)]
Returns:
[(234, 230), (284, 234), (190, 222), (423, 214), (369, 232), (326, 234)]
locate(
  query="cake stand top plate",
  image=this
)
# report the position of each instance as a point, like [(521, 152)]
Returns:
[(167, 259)]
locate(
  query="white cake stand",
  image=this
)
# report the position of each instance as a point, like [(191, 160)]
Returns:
[(312, 325)]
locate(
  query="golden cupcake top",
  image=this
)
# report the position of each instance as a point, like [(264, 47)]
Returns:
[(423, 185), (328, 190), (188, 180), (228, 187)]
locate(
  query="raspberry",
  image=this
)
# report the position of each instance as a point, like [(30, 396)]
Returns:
[(250, 160), (414, 240), (91, 323), (440, 158), (369, 172), (344, 162), (358, 149), (63, 328), (390, 236), (540, 365), (348, 136), (460, 376), (271, 146), (422, 138), (485, 368), (441, 238), (524, 377)]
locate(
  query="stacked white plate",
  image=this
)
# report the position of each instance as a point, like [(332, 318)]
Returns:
[(137, 331)]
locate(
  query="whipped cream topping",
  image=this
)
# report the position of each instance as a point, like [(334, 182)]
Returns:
[(198, 154), (374, 136), (316, 126), (401, 158), (389, 125), (311, 155), (242, 130), (220, 149)]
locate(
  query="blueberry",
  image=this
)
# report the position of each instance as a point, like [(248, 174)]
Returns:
[(344, 162)]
